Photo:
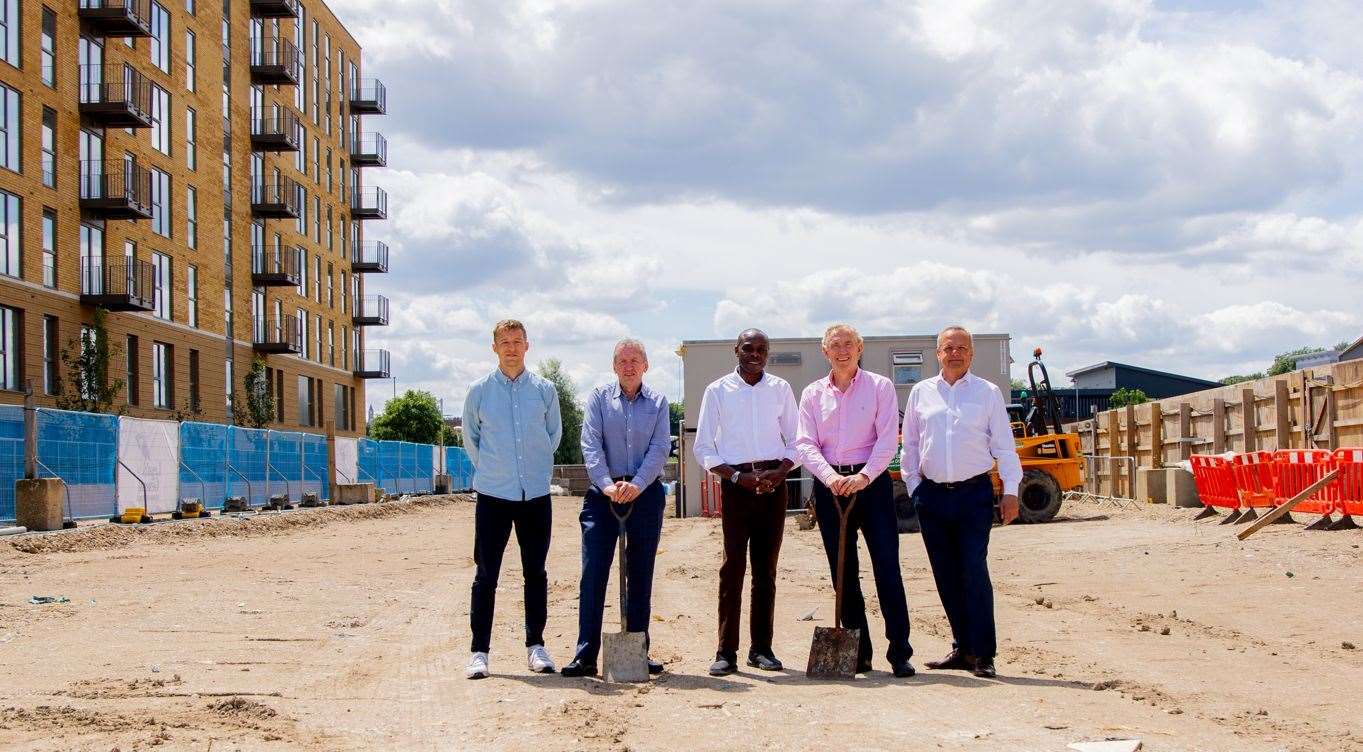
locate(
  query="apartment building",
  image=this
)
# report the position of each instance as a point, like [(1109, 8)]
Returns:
[(195, 168)]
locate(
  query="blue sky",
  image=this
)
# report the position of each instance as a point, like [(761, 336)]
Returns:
[(1171, 184)]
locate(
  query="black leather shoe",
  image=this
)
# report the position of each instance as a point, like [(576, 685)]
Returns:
[(903, 669), (579, 668), (955, 660), (654, 667), (984, 668), (723, 665), (767, 662)]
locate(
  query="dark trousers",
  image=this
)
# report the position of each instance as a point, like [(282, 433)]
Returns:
[(956, 523), (493, 519), (600, 534), (753, 525), (874, 517)]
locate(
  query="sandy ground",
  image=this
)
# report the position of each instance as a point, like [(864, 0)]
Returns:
[(346, 629)]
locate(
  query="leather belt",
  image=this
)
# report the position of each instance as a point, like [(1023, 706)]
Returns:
[(961, 483), (848, 469), (748, 467)]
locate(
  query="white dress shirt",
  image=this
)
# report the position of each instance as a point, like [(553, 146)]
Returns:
[(957, 431), (746, 423)]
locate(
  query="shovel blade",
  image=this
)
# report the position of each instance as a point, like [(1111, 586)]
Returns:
[(625, 656), (834, 653)]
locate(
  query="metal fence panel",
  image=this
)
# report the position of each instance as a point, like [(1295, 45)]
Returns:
[(11, 457), (246, 451), (369, 468), (286, 464), (460, 468), (422, 469), (203, 454), (390, 464), (148, 477), (82, 450), (316, 472)]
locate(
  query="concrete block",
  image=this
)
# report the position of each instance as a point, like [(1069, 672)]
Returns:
[(1150, 485), (311, 500), (38, 503), (1179, 488), (355, 493)]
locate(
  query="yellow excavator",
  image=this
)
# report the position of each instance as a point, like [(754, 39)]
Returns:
[(1052, 460)]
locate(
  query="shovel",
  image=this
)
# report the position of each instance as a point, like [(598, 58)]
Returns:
[(834, 652), (625, 653)]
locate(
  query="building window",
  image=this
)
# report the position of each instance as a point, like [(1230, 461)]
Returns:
[(304, 401), (9, 128), (9, 348), (160, 202), (191, 139), (189, 7), (331, 286), (906, 367), (49, 140), (91, 257), (302, 271), (192, 295), (192, 217), (317, 278), (50, 378), (160, 264), (9, 31), (338, 407), (194, 381), (190, 54), (49, 248), (162, 375), (317, 327), (160, 119), (302, 317), (227, 390), (48, 47), (345, 348), (133, 359), (331, 344), (10, 218), (160, 37)]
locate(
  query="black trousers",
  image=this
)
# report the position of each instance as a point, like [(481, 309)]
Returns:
[(874, 518), (493, 519), (956, 524)]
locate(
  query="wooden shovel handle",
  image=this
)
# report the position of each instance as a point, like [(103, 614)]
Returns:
[(844, 513)]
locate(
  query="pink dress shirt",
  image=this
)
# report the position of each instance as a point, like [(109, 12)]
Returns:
[(848, 427)]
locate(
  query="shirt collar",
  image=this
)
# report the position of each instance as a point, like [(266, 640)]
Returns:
[(964, 380), (502, 378), (617, 393), (739, 379), (828, 381)]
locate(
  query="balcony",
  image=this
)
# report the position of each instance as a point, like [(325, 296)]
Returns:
[(369, 258), (368, 97), (274, 8), (368, 203), (273, 266), (114, 190), (372, 364), (117, 285), (121, 104), (277, 336), (277, 61), (277, 132), (116, 18), (371, 310), (369, 151), (275, 200)]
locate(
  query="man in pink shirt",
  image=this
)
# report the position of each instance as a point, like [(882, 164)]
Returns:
[(848, 435)]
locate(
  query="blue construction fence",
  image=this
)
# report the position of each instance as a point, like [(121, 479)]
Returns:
[(216, 461)]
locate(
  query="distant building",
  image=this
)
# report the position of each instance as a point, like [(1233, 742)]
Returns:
[(1352, 351), (1092, 387)]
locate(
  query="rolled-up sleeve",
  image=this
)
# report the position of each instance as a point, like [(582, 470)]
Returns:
[(790, 425), (651, 466), (887, 425), (1003, 446), (593, 445), (807, 438), (910, 462), (705, 449)]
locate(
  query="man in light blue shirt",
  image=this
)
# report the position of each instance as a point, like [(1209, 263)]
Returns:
[(511, 428), (626, 438)]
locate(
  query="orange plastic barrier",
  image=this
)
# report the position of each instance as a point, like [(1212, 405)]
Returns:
[(1254, 474), (1215, 482), (711, 505), (1295, 469), (1349, 486)]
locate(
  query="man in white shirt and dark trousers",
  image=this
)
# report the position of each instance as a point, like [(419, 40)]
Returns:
[(746, 436), (955, 428)]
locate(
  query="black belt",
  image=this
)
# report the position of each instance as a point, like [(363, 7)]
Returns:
[(848, 469), (749, 467), (960, 483)]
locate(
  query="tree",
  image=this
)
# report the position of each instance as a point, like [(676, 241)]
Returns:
[(569, 450), (414, 416), (254, 406), (1287, 362), (451, 437), (1016, 385), (1124, 396), (676, 412), (1240, 378), (86, 358)]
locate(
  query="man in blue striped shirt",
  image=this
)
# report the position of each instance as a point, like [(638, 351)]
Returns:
[(511, 428), (626, 438)]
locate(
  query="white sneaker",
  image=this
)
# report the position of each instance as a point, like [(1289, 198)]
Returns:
[(540, 662), (477, 668)]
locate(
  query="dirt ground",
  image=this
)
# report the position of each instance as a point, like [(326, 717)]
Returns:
[(347, 629)]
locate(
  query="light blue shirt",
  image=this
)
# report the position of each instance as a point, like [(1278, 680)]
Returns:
[(624, 437), (511, 429)]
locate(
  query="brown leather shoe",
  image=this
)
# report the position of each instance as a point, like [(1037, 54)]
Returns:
[(984, 668), (955, 661)]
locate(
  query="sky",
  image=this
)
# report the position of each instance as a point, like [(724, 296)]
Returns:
[(1169, 184)]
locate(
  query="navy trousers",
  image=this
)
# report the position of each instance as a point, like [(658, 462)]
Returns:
[(493, 519), (873, 517), (600, 536), (956, 523)]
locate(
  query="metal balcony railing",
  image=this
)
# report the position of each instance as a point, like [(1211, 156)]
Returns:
[(369, 258), (372, 364), (275, 200), (371, 310), (273, 266), (115, 190), (275, 130), (368, 97), (118, 285), (275, 60), (274, 8), (370, 150), (124, 103), (277, 335), (116, 18), (369, 203)]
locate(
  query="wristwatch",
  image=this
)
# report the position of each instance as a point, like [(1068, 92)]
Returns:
[(734, 478)]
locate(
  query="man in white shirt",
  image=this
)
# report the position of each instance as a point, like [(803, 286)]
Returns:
[(955, 428), (746, 436)]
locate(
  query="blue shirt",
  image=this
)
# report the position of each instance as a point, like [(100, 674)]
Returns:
[(511, 429), (625, 437)]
